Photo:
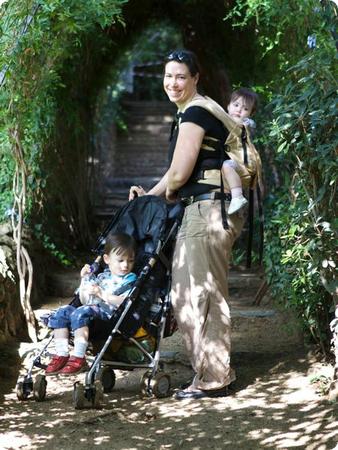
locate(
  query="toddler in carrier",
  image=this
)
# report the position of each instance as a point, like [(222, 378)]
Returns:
[(243, 104), (99, 301)]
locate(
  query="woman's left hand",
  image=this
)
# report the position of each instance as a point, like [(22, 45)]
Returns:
[(136, 191)]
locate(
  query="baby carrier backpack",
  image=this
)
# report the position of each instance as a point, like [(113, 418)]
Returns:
[(238, 145), (239, 148)]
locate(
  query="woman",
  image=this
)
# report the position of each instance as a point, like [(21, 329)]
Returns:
[(205, 239)]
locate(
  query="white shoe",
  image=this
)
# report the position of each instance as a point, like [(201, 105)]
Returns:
[(236, 204)]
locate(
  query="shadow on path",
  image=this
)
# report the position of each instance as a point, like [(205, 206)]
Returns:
[(272, 406)]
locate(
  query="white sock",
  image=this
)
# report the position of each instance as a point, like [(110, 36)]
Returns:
[(80, 347), (236, 192), (61, 346)]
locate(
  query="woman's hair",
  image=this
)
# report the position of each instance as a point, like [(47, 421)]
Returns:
[(120, 243), (187, 57), (250, 98)]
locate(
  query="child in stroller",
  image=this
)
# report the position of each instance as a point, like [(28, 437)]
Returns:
[(98, 300), (142, 319)]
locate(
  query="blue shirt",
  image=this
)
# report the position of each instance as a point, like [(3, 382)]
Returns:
[(109, 283)]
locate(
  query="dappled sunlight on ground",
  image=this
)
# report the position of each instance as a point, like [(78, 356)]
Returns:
[(272, 405)]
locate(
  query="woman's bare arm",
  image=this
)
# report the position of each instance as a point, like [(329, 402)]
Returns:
[(186, 152), (159, 189)]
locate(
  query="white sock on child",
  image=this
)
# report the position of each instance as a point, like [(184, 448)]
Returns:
[(80, 347), (61, 346), (236, 192)]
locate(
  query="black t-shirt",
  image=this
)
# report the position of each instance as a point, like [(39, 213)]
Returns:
[(200, 116), (213, 128)]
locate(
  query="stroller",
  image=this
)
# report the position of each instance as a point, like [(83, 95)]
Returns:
[(131, 338)]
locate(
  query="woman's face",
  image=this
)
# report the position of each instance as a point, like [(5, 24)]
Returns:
[(178, 83)]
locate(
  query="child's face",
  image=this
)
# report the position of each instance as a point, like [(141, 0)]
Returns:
[(239, 109), (120, 264)]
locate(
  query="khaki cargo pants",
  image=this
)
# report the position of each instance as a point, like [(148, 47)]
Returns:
[(200, 290)]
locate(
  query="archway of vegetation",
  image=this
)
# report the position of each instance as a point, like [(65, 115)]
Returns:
[(58, 57)]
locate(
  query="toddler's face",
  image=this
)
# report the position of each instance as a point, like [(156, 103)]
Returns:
[(120, 264), (239, 109)]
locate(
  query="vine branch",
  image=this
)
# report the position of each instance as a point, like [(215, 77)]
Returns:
[(23, 260)]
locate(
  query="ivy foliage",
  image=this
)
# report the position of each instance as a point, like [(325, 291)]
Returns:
[(42, 47), (297, 41), (302, 239), (281, 29)]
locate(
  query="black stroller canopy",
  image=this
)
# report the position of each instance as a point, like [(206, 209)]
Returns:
[(144, 218)]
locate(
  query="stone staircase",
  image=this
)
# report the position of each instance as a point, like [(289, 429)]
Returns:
[(266, 327), (263, 328), (140, 153)]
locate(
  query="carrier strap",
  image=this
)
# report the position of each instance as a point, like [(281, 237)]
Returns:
[(174, 124), (244, 141), (224, 214), (261, 223), (250, 236)]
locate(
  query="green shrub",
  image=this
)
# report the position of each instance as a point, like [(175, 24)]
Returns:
[(301, 239)]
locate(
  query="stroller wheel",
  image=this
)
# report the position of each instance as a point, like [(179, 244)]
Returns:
[(78, 395), (161, 384), (107, 378), (98, 395), (21, 391), (158, 386), (39, 388)]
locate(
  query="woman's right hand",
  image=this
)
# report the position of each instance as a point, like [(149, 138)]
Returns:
[(136, 191)]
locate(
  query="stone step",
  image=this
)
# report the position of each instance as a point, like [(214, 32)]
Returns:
[(151, 123), (103, 212), (244, 284), (124, 182), (144, 105), (264, 330), (137, 128), (145, 110), (147, 143), (151, 118), (63, 283), (142, 149), (260, 331)]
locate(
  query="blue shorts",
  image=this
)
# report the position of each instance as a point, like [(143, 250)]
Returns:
[(74, 318)]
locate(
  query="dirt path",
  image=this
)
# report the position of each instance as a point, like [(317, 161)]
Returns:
[(273, 405)]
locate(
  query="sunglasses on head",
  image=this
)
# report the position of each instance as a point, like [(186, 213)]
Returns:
[(179, 56)]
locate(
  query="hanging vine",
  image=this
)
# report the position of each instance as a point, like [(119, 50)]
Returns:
[(23, 260)]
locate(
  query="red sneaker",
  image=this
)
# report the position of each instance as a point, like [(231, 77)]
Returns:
[(74, 365), (56, 364)]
